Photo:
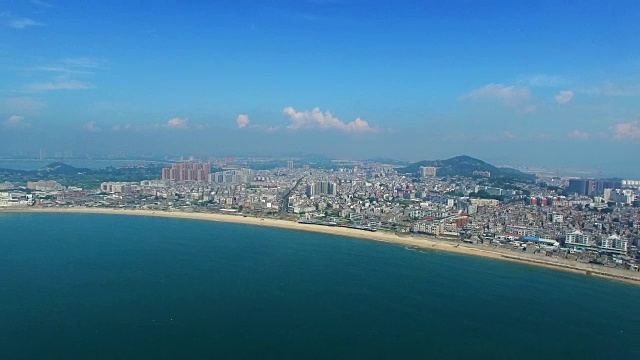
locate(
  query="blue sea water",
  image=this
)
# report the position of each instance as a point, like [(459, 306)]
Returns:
[(76, 286)]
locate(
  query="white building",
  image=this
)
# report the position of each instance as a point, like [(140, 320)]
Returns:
[(576, 238), (15, 199), (631, 183), (116, 187), (42, 185), (619, 196), (615, 243), (429, 228)]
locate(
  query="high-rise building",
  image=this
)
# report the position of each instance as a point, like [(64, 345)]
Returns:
[(290, 164), (187, 171), (234, 176), (581, 186), (591, 187), (322, 188)]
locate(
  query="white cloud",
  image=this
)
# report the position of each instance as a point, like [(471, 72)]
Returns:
[(41, 3), (243, 121), (24, 105), (125, 127), (564, 97), (14, 122), (512, 95), (91, 127), (543, 80), (83, 62), (178, 123), (59, 85), (509, 135), (612, 89), (316, 119), (626, 130), (578, 135), (15, 22)]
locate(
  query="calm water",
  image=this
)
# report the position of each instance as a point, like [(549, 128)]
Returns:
[(105, 286)]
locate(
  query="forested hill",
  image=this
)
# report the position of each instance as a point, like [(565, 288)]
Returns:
[(465, 166)]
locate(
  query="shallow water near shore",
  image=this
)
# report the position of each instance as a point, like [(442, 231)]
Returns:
[(105, 286)]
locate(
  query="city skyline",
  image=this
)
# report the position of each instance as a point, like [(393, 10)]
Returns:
[(548, 84)]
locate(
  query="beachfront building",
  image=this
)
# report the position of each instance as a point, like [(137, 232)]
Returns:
[(431, 228), (577, 238), (8, 199), (615, 243)]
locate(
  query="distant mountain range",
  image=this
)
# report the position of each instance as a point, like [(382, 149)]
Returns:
[(465, 166)]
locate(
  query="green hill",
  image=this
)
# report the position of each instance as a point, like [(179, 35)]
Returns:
[(465, 166)]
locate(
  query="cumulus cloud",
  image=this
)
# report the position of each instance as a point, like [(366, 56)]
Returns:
[(14, 122), (243, 121), (91, 127), (626, 130), (578, 135), (509, 95), (316, 119), (177, 123), (564, 97)]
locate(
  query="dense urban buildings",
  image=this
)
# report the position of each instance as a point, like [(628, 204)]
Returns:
[(187, 171), (567, 219)]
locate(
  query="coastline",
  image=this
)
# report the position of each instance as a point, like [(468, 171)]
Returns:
[(381, 236)]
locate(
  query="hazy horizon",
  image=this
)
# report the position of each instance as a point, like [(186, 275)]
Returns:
[(547, 84)]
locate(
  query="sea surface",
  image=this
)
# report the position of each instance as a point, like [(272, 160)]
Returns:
[(76, 286)]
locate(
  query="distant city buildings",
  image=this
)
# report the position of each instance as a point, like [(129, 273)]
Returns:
[(290, 164), (619, 196), (233, 176), (428, 171), (187, 171), (590, 187), (6, 185), (482, 173), (43, 185), (116, 187)]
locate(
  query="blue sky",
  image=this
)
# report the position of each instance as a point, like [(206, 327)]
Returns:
[(552, 83)]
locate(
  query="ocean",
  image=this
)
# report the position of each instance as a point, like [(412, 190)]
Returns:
[(76, 286)]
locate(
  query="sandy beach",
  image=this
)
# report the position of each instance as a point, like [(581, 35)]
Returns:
[(421, 242)]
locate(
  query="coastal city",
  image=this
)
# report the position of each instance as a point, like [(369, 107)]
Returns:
[(595, 222)]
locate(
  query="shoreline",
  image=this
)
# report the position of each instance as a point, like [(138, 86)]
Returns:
[(380, 236)]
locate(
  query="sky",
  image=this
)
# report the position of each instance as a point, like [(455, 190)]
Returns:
[(545, 83)]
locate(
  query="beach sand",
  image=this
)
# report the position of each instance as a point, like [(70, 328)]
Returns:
[(406, 240)]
